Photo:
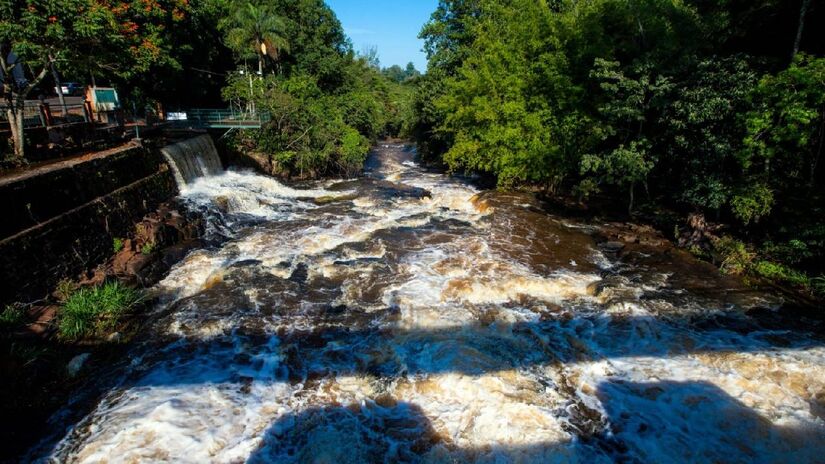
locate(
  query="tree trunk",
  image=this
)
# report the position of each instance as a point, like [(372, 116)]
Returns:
[(260, 65), (818, 154), (632, 198), (803, 10), (15, 117), (58, 85)]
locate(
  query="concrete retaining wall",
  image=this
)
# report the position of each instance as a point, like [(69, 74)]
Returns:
[(60, 221)]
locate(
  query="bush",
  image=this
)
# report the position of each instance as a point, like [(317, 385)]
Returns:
[(734, 256), (11, 318), (117, 245), (90, 311), (64, 290), (148, 248), (780, 273)]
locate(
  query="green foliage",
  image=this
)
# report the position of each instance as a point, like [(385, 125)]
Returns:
[(255, 31), (703, 133), (92, 311), (12, 317), (399, 75), (64, 289), (781, 273), (691, 100), (327, 104), (733, 256), (753, 203), (117, 245), (792, 252), (352, 151), (148, 248)]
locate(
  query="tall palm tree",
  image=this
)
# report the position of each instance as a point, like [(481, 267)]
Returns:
[(256, 30)]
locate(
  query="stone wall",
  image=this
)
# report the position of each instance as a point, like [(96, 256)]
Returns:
[(61, 221)]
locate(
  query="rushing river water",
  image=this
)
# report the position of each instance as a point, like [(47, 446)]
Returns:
[(406, 316)]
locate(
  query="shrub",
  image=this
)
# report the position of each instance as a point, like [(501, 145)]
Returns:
[(117, 245), (148, 248), (64, 289), (734, 256), (12, 317), (781, 273), (90, 311)]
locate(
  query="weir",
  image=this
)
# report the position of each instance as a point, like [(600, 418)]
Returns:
[(193, 158)]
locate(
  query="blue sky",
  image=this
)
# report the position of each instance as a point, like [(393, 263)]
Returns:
[(390, 25)]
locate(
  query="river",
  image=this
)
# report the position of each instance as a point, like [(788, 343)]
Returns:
[(407, 316)]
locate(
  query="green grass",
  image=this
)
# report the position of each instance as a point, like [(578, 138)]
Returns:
[(92, 311), (12, 317), (117, 245)]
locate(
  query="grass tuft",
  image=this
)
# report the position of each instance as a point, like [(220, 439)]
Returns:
[(92, 311), (12, 317)]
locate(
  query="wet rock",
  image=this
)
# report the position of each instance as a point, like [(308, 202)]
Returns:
[(387, 189), (325, 200), (222, 203), (596, 288), (76, 364), (386, 401), (488, 317), (629, 238), (138, 263), (337, 310), (123, 257), (43, 317), (115, 337), (300, 274), (612, 247), (654, 242)]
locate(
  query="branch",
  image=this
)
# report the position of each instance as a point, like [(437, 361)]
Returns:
[(299, 138), (28, 87)]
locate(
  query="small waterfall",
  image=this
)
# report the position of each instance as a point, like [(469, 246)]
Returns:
[(193, 158)]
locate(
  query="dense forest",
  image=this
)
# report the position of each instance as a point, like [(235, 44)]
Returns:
[(713, 109)]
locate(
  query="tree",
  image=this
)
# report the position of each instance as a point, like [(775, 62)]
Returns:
[(113, 37), (369, 53), (702, 132), (803, 11), (256, 30), (786, 132), (34, 34)]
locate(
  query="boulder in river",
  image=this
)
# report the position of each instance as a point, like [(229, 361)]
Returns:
[(76, 364), (612, 247)]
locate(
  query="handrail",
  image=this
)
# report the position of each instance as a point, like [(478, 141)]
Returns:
[(226, 118)]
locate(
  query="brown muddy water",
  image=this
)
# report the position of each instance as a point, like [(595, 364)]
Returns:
[(406, 316)]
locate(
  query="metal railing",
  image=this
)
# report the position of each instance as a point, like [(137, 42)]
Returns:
[(32, 116), (44, 115), (225, 119)]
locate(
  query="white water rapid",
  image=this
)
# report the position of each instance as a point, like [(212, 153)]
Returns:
[(408, 317)]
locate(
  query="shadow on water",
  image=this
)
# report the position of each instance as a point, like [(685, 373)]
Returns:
[(648, 422), (332, 348), (644, 422)]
